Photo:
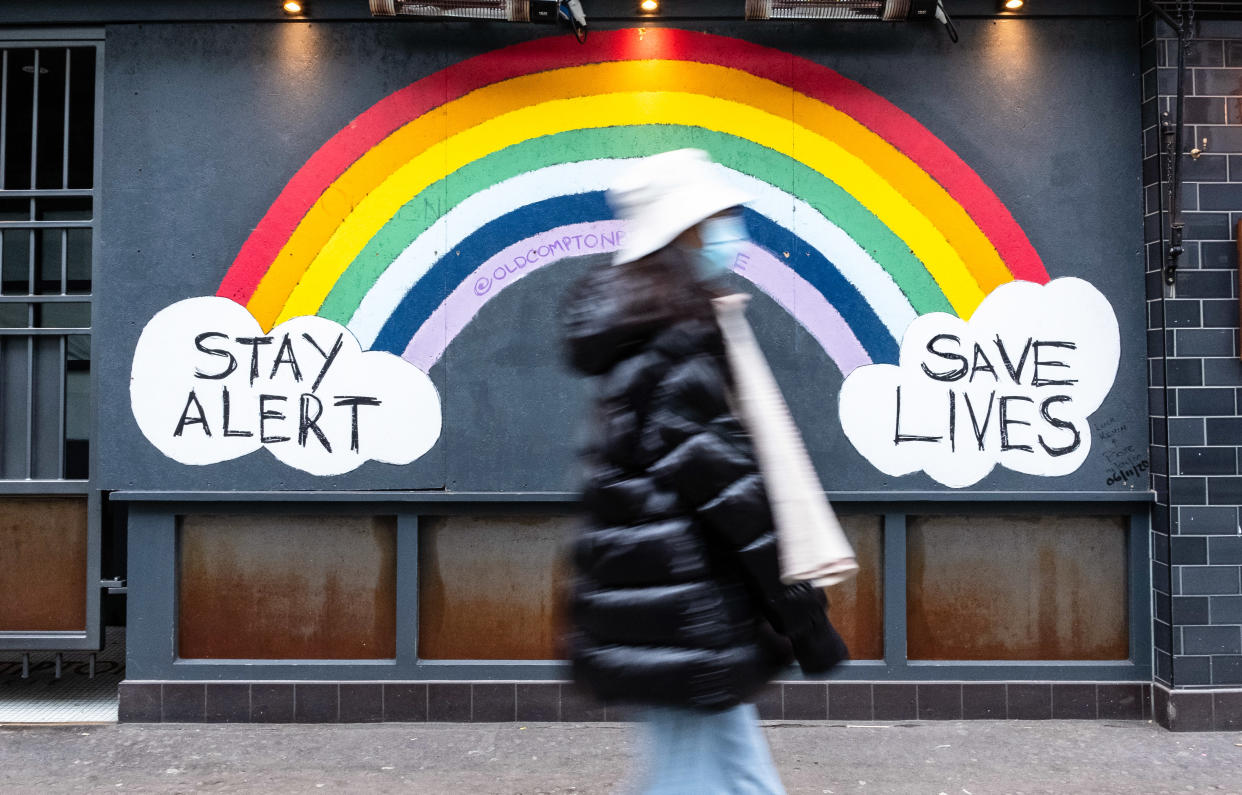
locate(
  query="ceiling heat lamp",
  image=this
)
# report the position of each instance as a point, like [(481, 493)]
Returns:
[(566, 12), (868, 10)]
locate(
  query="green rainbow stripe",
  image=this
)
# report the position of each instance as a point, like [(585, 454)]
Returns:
[(778, 170)]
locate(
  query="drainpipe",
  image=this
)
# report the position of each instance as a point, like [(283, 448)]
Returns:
[(1172, 134)]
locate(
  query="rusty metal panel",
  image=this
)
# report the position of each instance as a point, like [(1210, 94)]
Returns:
[(1017, 588), (487, 586), (43, 564), (287, 587), (856, 606)]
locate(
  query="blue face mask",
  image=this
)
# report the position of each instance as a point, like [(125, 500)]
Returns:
[(722, 238)]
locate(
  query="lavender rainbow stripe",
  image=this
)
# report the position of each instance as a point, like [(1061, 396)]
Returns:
[(757, 265)]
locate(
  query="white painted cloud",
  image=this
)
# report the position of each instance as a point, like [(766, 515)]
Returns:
[(1013, 386), (207, 385)]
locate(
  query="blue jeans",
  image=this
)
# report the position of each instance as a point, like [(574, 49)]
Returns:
[(692, 752)]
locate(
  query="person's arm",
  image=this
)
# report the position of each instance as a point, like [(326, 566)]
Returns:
[(706, 457)]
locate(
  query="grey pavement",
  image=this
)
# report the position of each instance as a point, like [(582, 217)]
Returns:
[(951, 757)]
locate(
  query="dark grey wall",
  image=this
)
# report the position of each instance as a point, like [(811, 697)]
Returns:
[(1196, 374), (204, 124)]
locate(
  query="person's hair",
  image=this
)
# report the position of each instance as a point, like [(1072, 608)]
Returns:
[(663, 288)]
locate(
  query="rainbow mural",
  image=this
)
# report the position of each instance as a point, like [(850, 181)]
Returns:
[(432, 201)]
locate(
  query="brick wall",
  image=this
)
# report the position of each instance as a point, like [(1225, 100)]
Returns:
[(1194, 367)]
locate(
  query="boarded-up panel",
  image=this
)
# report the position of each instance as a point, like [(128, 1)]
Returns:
[(856, 606), (288, 587), (42, 564), (1017, 588), (487, 587)]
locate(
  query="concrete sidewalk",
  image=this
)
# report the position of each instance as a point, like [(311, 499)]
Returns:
[(970, 758)]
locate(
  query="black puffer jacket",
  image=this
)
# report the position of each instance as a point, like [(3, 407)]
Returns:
[(677, 590)]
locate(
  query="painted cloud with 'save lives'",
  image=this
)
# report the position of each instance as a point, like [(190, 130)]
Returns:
[(1013, 386), (207, 385)]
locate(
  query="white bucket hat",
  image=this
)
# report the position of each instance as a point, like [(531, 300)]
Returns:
[(664, 195)]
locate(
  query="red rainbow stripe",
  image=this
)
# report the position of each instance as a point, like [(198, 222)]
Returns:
[(394, 111)]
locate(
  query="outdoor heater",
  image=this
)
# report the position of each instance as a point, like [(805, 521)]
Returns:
[(874, 10), (570, 12), (545, 11)]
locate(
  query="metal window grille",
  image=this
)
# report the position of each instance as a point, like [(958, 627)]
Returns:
[(48, 226)]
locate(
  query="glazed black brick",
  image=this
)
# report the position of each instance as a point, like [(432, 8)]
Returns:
[(1205, 110), (1205, 520), (1233, 53), (1208, 168), (1227, 670), (228, 702), (983, 701), (1224, 430), (1222, 139), (1151, 223), (1205, 401), (316, 703), (1189, 551), (1155, 401), (1029, 702), (1222, 254), (805, 700), (1225, 371), (1166, 80), (405, 701), (1207, 461), (1220, 195), (361, 702), (1183, 313), (1225, 609), (185, 702), (1212, 640), (1227, 711), (1120, 701), (1160, 547), (139, 702), (849, 701), (1218, 81), (1224, 491), (1073, 702), (892, 701), (1203, 52), (1203, 284), (449, 702), (271, 703), (1209, 580), (1191, 610), (1188, 490), (538, 701), (1224, 550), (1155, 287), (1192, 670), (1160, 577), (940, 702), (1159, 439), (1185, 431), (1204, 342), (493, 702), (1151, 165)]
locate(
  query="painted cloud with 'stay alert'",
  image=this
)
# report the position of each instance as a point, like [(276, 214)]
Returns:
[(1013, 386), (207, 385)]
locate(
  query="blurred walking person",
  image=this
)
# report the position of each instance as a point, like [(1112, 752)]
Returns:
[(676, 602)]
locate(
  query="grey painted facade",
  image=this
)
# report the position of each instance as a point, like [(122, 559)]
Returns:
[(204, 121)]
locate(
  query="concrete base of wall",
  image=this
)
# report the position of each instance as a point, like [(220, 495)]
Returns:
[(1199, 710), (360, 702)]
